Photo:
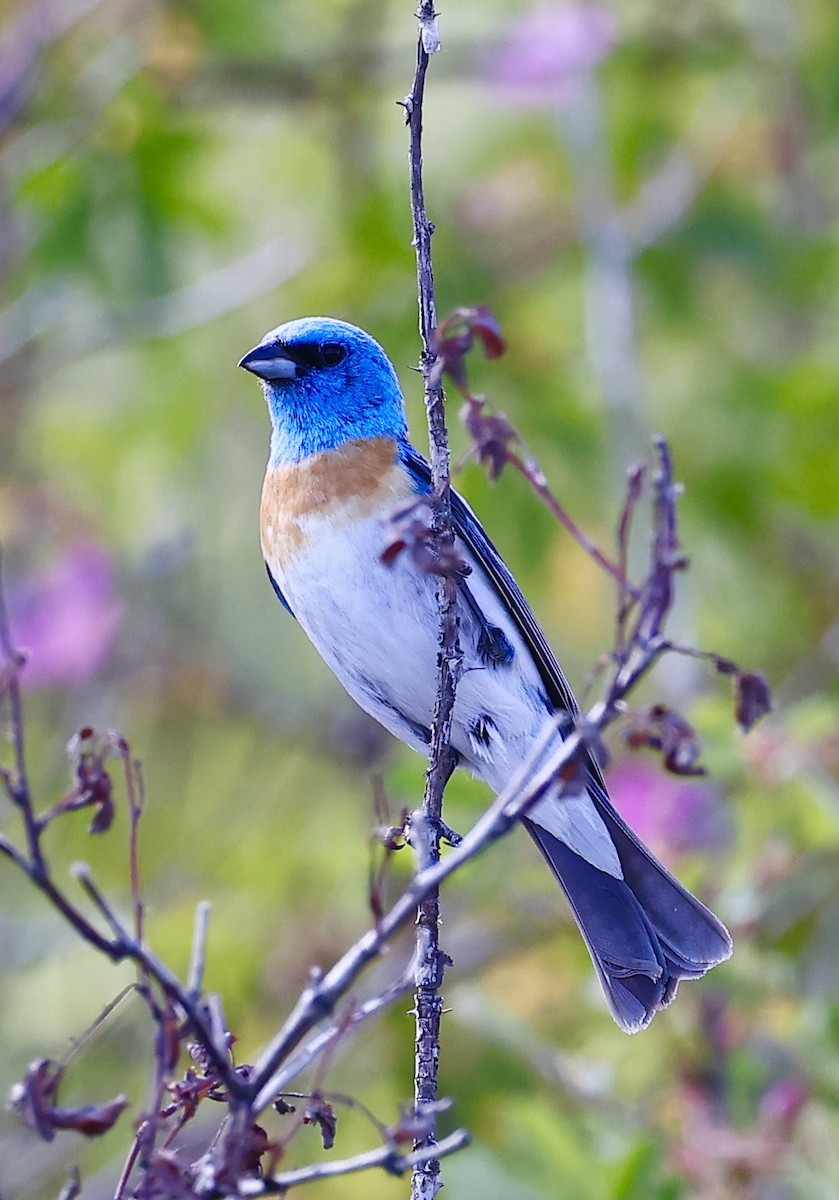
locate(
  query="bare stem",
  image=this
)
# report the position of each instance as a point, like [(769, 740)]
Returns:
[(386, 1157), (296, 1063), (195, 977), (319, 998), (17, 782), (135, 792), (425, 831), (532, 472)]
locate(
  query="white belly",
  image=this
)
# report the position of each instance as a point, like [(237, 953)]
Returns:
[(376, 627)]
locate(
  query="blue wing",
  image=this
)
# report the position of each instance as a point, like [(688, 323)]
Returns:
[(469, 528), (644, 932), (277, 591)]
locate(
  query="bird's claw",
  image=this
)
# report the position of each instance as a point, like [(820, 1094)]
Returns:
[(442, 832)]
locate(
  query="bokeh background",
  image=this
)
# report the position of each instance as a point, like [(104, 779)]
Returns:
[(646, 196)]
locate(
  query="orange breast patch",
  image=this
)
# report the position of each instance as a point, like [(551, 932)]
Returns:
[(358, 480)]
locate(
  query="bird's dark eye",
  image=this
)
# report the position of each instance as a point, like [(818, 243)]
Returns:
[(331, 353)]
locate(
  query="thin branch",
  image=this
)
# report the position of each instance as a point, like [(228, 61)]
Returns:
[(321, 995), (533, 473), (78, 1043), (125, 946), (18, 783), (128, 1165), (386, 1157), (627, 596), (195, 975), (351, 1102), (145, 1132), (425, 827), (35, 867), (337, 1034), (495, 439), (135, 791), (297, 1062), (71, 914)]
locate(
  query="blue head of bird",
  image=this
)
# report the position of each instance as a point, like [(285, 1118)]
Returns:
[(326, 383)]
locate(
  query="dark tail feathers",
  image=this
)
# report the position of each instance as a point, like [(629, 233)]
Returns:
[(644, 932)]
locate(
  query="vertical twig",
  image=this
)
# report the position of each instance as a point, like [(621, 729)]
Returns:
[(430, 959), (627, 596), (17, 781), (135, 792), (195, 978)]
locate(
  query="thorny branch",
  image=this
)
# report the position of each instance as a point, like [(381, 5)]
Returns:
[(426, 826), (180, 1011), (183, 1014)]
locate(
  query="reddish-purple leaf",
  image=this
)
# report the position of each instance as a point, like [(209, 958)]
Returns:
[(663, 729), (90, 1120), (639, 738), (725, 666), (167, 1041), (682, 758), (256, 1144), (573, 773), (485, 325), (165, 1178), (455, 337), (94, 787), (33, 1097), (415, 537), (104, 816), (679, 743), (34, 1100), (320, 1112), (754, 700), (491, 434), (451, 353), (391, 552)]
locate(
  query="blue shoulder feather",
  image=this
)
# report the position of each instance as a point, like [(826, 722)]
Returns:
[(469, 528)]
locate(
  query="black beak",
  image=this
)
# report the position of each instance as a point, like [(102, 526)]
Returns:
[(268, 362)]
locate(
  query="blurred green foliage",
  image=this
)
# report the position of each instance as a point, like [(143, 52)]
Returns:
[(177, 178)]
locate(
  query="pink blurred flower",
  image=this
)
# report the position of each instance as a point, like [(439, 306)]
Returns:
[(670, 814), (67, 620), (549, 49), (784, 1101)]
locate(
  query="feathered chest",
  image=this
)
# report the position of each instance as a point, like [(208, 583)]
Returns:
[(307, 504)]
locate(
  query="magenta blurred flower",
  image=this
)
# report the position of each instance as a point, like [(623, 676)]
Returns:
[(547, 51), (67, 620), (670, 814), (784, 1101)]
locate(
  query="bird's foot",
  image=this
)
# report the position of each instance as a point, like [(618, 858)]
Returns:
[(436, 826), (446, 834)]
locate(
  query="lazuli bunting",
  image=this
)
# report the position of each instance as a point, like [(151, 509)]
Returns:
[(340, 466)]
